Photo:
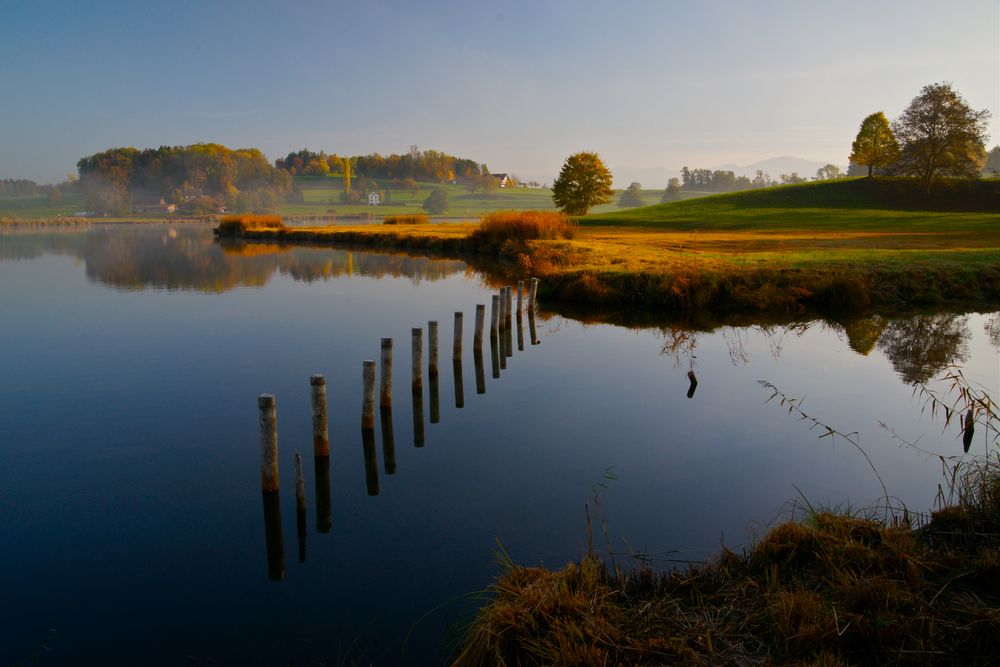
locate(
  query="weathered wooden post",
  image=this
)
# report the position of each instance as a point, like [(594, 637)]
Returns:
[(267, 403), (456, 366), (494, 315), (371, 461), (503, 346), (520, 295), (321, 437), (503, 306), (385, 383), (300, 507), (520, 332), (432, 348), (508, 349), (532, 294), (456, 347), (435, 398), (324, 509), (477, 340), (418, 417), (694, 384), (510, 304), (495, 356), (368, 401), (531, 327), (416, 358), (388, 442), (477, 356), (274, 544)]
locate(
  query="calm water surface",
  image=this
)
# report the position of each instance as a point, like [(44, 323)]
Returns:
[(133, 526)]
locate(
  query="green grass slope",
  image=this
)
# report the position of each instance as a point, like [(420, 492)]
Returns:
[(845, 204)]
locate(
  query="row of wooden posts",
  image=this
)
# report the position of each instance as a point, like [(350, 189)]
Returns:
[(500, 333)]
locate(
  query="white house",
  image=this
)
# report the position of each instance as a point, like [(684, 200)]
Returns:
[(373, 199)]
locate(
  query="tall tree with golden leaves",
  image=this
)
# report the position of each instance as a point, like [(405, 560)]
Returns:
[(583, 182), (875, 145)]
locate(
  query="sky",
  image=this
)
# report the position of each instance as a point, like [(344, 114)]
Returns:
[(517, 85)]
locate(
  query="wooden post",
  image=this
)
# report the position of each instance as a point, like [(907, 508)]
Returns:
[(495, 356), (388, 442), (494, 315), (456, 366), (368, 403), (694, 384), (503, 346), (273, 541), (520, 331), (300, 507), (508, 350), (531, 327), (477, 341), (456, 347), (268, 405), (432, 348), (416, 359), (477, 356), (385, 384), (371, 461), (520, 295), (532, 294), (510, 304), (321, 437), (324, 509), (503, 306), (435, 398), (418, 417)]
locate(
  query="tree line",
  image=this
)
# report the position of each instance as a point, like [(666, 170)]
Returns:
[(200, 178), (416, 164)]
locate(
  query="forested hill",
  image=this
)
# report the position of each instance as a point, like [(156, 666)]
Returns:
[(199, 178)]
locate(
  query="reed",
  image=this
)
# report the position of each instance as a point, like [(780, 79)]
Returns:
[(411, 219), (232, 225)]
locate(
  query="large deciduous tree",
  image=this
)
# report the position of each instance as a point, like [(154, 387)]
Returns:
[(437, 201), (941, 135), (875, 146), (583, 182)]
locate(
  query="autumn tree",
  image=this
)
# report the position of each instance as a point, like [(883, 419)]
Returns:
[(631, 196), (437, 201), (347, 176), (941, 135), (875, 146), (828, 172), (583, 182)]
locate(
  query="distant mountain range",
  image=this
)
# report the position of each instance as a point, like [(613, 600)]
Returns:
[(653, 178)]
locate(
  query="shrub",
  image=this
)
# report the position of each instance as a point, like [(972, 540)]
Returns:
[(501, 226), (412, 219), (237, 224)]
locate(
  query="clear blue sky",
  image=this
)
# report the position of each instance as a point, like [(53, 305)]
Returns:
[(518, 85)]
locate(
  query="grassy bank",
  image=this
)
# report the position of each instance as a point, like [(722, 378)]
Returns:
[(780, 250), (832, 590)]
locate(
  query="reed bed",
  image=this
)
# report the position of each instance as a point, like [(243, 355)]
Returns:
[(232, 225), (411, 219), (502, 227), (832, 590)]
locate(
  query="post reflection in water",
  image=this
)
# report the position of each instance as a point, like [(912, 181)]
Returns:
[(477, 356), (456, 365), (324, 510), (495, 356), (418, 417), (388, 441), (520, 332), (274, 545), (300, 531), (371, 461), (435, 398), (531, 327)]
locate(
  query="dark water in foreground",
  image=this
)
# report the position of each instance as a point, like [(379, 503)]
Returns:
[(133, 529)]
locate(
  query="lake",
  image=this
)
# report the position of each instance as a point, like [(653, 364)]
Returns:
[(134, 527)]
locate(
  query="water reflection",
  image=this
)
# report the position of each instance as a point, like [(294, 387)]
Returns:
[(324, 506), (918, 346), (274, 544), (184, 256)]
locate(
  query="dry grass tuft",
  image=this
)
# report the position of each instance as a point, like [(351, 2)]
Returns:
[(496, 229), (232, 225), (832, 591), (412, 219)]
